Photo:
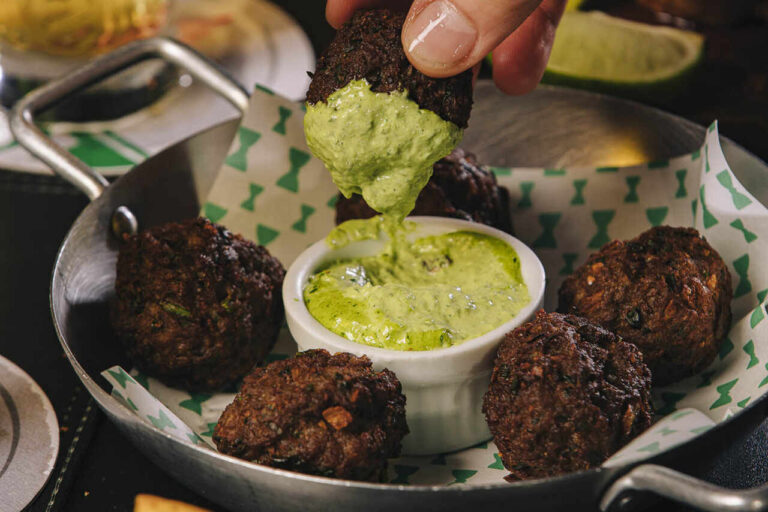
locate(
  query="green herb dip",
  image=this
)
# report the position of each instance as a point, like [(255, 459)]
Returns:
[(380, 145), (434, 292)]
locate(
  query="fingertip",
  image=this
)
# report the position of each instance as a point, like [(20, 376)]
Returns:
[(436, 71), (337, 12), (515, 75), (514, 87), (475, 73), (437, 38), (443, 71), (520, 60)]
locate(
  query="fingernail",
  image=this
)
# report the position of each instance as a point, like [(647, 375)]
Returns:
[(440, 35)]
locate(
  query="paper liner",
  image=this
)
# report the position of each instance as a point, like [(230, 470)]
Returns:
[(274, 192)]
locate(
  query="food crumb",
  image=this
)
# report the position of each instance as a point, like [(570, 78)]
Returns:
[(337, 417)]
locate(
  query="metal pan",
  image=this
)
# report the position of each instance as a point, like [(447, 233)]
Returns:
[(547, 125)]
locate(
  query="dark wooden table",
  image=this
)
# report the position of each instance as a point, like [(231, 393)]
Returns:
[(99, 470)]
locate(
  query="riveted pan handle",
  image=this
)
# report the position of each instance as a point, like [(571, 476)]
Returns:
[(684, 489), (61, 161)]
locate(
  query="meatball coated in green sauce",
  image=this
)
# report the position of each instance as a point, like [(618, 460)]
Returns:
[(376, 122), (379, 145), (368, 47)]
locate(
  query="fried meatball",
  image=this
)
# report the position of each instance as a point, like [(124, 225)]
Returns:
[(318, 414), (196, 306), (565, 394), (369, 47), (458, 188), (667, 291)]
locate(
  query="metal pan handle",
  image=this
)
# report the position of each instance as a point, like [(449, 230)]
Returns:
[(61, 161), (684, 489)]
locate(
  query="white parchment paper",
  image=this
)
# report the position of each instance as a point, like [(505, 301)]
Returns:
[(273, 191)]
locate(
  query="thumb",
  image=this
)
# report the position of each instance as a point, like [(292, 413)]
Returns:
[(445, 37)]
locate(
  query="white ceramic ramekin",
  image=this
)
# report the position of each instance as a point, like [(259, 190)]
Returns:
[(443, 387)]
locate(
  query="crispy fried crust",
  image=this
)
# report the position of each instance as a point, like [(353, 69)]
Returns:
[(565, 394), (368, 46), (458, 188), (319, 414), (196, 306), (667, 291)]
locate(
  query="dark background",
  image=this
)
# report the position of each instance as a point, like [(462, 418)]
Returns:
[(105, 472)]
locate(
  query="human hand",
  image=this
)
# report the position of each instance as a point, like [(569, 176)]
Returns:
[(445, 37)]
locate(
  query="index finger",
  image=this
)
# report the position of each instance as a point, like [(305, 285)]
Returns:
[(339, 11)]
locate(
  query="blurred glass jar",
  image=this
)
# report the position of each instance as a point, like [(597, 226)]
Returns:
[(77, 28), (43, 39)]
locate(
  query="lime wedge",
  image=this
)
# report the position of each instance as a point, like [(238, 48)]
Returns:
[(573, 5), (599, 52)]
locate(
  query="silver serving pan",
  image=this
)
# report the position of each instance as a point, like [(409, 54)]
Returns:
[(551, 127)]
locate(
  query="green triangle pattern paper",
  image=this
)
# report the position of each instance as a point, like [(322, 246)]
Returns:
[(619, 204), (739, 375), (143, 403), (670, 431), (741, 233), (281, 197), (291, 210)]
